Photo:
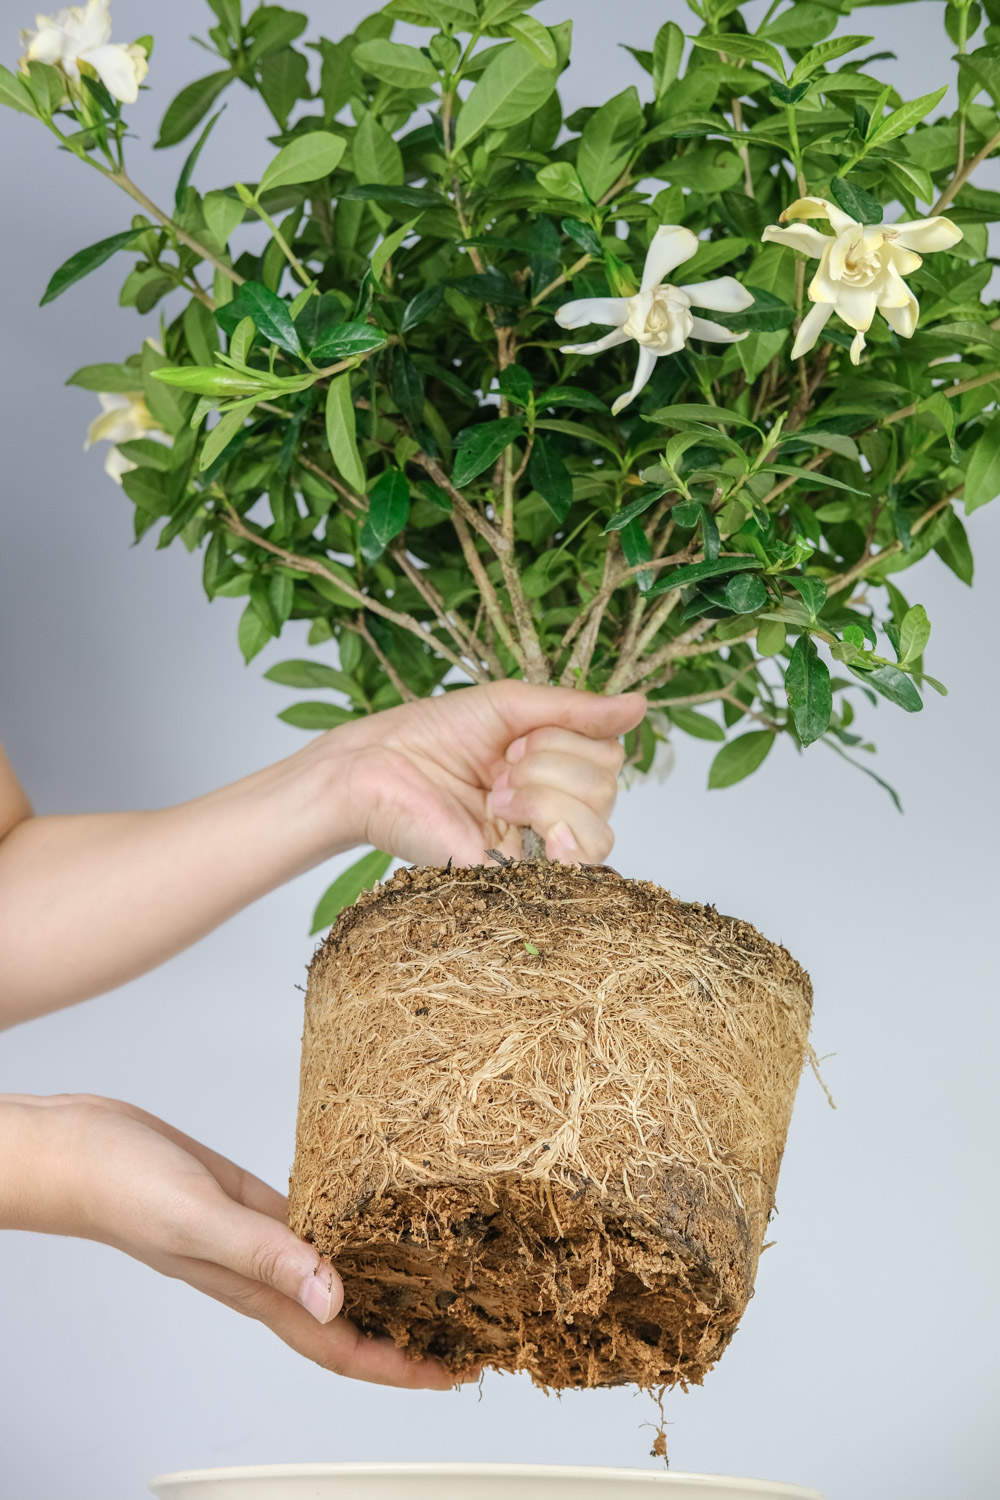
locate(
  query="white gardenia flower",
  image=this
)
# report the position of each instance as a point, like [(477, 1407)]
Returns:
[(659, 316), (82, 34), (861, 268), (124, 416)]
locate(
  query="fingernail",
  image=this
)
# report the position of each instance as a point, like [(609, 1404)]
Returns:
[(516, 749), (566, 845), (317, 1294), (502, 794)]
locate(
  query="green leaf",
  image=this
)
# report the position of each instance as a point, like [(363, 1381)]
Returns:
[(111, 378), (392, 62), (634, 508), (914, 633), (224, 431), (740, 758), (668, 48), (551, 478), (810, 694), (515, 383), (345, 340), (375, 155), (750, 47), (572, 395), (903, 119), (283, 79), (222, 212), (392, 193), (217, 381), (479, 447), (635, 546), (387, 249), (421, 306), (388, 506), (817, 480), (854, 200), (559, 179), (305, 159), (696, 572), (771, 636), (745, 593), (191, 106), (825, 52), (892, 684), (345, 890), (583, 235), (192, 161), (314, 674), (511, 89), (535, 39), (813, 592), (271, 28), (341, 431), (84, 261), (14, 93), (253, 634), (699, 725), (693, 411), (609, 139), (982, 477), (953, 548), (269, 313), (316, 715)]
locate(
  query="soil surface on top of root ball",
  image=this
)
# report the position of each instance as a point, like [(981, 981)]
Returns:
[(541, 1119)]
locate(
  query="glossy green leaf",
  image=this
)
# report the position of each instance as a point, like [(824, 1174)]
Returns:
[(609, 139), (389, 505), (914, 633), (345, 890), (635, 546), (810, 694), (479, 447), (812, 591), (740, 758), (191, 106), (341, 431), (270, 315), (512, 87), (84, 261), (690, 573), (635, 507), (345, 340), (903, 119), (316, 715), (752, 49), (421, 306), (551, 478), (305, 159), (745, 593), (387, 249), (892, 684), (982, 476), (392, 62), (856, 201)]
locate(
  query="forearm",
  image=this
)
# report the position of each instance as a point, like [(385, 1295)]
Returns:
[(28, 1195), (88, 902)]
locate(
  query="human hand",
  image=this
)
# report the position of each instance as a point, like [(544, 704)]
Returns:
[(103, 1170), (451, 776)]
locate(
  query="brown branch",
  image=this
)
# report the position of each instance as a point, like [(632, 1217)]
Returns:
[(871, 559), (965, 172), (123, 180), (310, 565), (361, 629), (577, 265), (575, 671)]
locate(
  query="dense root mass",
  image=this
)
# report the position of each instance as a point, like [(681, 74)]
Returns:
[(541, 1118)]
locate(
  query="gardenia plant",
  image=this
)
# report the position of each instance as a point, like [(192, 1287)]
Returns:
[(362, 407)]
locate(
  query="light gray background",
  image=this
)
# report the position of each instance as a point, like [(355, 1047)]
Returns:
[(866, 1365)]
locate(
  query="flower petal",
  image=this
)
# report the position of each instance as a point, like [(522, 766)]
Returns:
[(856, 305), (901, 319), (643, 371), (799, 236), (724, 294), (593, 310), (46, 46), (857, 345), (670, 246), (811, 327), (891, 289), (117, 69), (901, 260), (704, 328), (116, 464), (88, 28), (926, 235), (819, 208), (616, 336)]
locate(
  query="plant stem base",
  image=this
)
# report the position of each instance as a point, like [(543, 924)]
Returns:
[(541, 1119)]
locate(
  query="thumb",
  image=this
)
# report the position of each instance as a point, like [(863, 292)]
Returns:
[(264, 1250), (525, 706)]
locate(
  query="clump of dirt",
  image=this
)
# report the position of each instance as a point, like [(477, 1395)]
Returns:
[(541, 1118)]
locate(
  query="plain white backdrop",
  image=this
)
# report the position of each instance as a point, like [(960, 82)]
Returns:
[(866, 1365)]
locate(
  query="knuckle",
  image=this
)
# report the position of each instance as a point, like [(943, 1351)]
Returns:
[(264, 1264)]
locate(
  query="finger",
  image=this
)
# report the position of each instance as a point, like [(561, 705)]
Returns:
[(524, 706), (340, 1347), (595, 786), (573, 832), (608, 753), (212, 1227)]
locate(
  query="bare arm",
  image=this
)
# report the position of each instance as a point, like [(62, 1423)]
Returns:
[(89, 902)]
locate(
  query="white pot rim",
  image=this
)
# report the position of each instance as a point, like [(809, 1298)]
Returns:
[(471, 1470)]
